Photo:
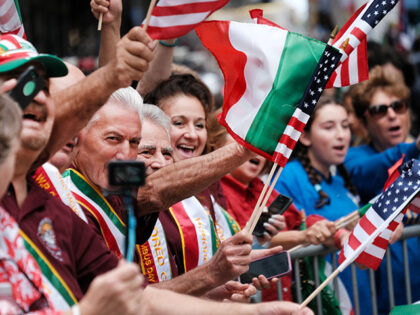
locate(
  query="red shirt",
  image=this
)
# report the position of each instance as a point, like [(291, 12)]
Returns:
[(241, 201), (78, 254)]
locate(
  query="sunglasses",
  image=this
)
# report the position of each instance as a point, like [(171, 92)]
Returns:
[(381, 110)]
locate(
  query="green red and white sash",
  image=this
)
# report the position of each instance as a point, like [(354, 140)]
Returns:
[(196, 228), (49, 178), (154, 256), (226, 226), (201, 236), (58, 292), (112, 227)]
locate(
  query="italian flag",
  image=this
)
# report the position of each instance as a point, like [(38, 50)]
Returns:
[(266, 71), (11, 19)]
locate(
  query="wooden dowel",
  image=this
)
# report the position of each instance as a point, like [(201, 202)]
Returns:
[(319, 289), (149, 15), (100, 21)]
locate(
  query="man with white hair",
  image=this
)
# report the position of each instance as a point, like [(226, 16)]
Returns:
[(113, 133)]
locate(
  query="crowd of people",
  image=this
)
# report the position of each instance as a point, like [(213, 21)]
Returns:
[(63, 227)]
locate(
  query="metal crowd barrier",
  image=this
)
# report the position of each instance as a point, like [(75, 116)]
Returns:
[(321, 251)]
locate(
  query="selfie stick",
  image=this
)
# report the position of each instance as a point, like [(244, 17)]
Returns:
[(131, 228)]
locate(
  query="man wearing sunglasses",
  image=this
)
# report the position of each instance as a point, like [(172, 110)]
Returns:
[(381, 105)]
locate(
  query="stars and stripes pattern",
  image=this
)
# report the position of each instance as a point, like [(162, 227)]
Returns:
[(300, 117), (368, 241), (353, 67), (10, 18), (175, 18)]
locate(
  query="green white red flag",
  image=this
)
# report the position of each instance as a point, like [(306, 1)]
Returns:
[(268, 73), (10, 18)]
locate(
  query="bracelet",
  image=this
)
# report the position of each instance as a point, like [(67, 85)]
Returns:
[(168, 45), (75, 310)]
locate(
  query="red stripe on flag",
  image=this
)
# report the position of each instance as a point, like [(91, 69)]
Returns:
[(348, 49), (369, 260), (358, 33), (380, 242), (348, 23), (5, 18), (362, 61), (414, 208), (353, 241), (345, 77), (198, 7), (367, 225), (287, 141), (330, 83), (168, 32), (280, 159), (393, 225), (215, 37), (296, 124)]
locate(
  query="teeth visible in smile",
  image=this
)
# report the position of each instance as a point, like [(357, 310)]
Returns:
[(186, 147)]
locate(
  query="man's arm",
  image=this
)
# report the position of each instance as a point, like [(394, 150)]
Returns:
[(77, 104), (186, 178)]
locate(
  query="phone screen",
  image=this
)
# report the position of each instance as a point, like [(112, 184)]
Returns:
[(278, 206), (271, 266)]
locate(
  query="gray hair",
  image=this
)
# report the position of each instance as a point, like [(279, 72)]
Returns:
[(157, 116), (124, 97), (128, 97)]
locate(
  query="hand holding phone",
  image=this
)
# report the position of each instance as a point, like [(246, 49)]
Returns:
[(276, 265), (278, 206), (29, 83)]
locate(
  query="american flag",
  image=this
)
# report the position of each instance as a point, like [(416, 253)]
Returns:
[(10, 18), (175, 18), (368, 241), (353, 67), (327, 64)]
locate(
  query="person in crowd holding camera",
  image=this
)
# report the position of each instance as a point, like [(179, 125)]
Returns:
[(19, 269), (381, 105)]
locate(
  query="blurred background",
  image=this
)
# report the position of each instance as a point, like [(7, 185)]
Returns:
[(68, 29)]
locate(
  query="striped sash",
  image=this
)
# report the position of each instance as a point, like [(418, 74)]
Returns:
[(196, 228), (59, 293), (112, 227), (154, 256), (49, 178), (226, 226)]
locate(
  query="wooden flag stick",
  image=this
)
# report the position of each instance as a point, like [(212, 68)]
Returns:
[(256, 214), (340, 223), (319, 289), (149, 15), (100, 21), (332, 35), (260, 198)]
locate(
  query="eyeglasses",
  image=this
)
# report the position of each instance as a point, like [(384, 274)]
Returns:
[(381, 110)]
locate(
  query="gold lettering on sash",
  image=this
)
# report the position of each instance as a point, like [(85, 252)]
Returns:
[(158, 249), (42, 181), (202, 232)]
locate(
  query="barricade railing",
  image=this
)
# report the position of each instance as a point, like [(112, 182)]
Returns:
[(317, 251)]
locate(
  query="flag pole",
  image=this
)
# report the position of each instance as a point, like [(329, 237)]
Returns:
[(256, 214), (319, 289), (262, 194), (100, 21), (149, 15), (333, 34)]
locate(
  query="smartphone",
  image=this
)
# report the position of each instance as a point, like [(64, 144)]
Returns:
[(126, 173), (278, 206), (29, 83), (272, 266)]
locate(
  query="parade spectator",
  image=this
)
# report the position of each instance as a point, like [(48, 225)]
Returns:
[(319, 183), (381, 104)]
